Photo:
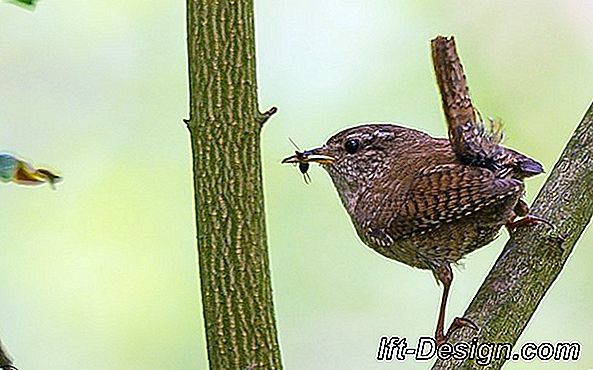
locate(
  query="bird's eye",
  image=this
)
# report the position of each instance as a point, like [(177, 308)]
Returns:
[(351, 146)]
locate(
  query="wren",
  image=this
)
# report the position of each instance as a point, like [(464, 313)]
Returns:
[(424, 201)]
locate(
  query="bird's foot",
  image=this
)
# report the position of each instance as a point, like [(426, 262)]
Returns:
[(527, 221), (458, 323), (555, 237)]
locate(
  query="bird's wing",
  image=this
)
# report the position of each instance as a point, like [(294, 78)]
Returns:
[(448, 192)]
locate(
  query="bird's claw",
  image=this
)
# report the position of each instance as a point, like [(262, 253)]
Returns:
[(528, 221), (457, 324), (554, 236)]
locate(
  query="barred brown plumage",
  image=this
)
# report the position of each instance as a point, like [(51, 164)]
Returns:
[(413, 200)]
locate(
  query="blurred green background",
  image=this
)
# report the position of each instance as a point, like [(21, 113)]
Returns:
[(102, 274)]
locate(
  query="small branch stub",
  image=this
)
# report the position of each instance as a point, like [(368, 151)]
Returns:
[(264, 117)]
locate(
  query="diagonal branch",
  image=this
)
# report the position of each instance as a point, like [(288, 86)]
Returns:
[(5, 360), (534, 256)]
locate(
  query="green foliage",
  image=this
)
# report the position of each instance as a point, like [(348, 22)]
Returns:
[(29, 4)]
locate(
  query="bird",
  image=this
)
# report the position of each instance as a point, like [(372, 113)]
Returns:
[(18, 171), (426, 201)]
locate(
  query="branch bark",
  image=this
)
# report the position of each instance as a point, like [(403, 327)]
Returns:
[(225, 127), (5, 359), (534, 256)]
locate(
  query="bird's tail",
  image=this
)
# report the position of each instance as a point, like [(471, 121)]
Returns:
[(473, 141)]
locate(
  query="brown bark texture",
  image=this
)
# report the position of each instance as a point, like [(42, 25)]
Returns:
[(5, 359), (534, 256), (225, 127)]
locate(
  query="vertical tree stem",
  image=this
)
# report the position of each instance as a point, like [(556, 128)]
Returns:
[(225, 127)]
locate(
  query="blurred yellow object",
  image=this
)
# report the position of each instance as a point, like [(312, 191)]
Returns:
[(20, 172)]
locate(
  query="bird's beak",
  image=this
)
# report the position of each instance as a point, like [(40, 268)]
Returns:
[(314, 155)]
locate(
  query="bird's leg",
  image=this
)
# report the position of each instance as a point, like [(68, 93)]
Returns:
[(521, 208), (444, 274)]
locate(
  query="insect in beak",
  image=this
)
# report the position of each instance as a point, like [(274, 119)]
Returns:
[(301, 160)]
